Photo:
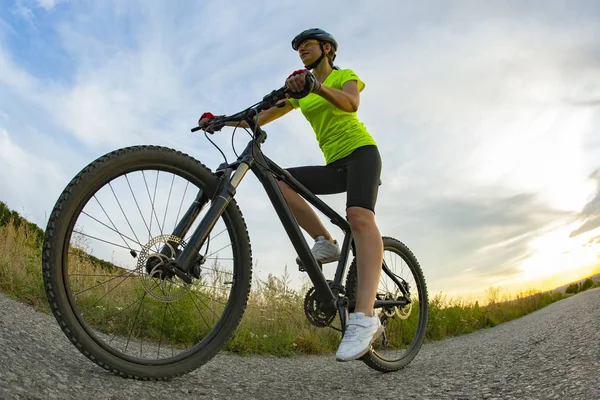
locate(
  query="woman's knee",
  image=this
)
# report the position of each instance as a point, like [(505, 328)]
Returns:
[(360, 218)]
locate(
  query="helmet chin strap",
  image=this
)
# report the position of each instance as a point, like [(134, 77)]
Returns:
[(318, 60)]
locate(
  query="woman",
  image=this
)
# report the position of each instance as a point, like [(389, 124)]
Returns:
[(353, 165)]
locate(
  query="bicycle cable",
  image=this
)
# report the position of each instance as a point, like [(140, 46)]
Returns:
[(218, 148), (252, 135), (254, 138), (232, 137)]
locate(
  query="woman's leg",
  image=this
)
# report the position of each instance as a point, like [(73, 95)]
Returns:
[(369, 256), (307, 217), (364, 168), (319, 180)]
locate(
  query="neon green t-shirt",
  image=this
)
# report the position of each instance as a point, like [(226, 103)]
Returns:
[(338, 132)]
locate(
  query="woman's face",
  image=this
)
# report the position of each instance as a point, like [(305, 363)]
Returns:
[(309, 51)]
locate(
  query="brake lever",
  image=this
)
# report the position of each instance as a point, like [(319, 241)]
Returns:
[(215, 125), (273, 98)]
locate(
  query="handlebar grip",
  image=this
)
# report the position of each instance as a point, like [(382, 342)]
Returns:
[(196, 129)]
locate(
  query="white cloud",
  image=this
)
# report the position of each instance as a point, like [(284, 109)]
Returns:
[(21, 10), (26, 9), (13, 76), (49, 4), (479, 105), (27, 181)]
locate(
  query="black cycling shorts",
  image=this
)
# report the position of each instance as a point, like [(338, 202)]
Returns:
[(358, 174)]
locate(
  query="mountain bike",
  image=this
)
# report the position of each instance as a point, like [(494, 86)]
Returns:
[(157, 293)]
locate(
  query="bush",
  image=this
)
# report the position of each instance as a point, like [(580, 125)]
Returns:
[(572, 289), (274, 321), (9, 216), (587, 284)]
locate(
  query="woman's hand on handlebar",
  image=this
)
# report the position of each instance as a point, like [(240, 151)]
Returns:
[(204, 120)]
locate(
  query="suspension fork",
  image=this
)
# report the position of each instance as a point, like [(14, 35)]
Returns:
[(186, 222), (223, 195)]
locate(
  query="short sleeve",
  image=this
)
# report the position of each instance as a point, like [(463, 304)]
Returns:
[(294, 102), (349, 75)]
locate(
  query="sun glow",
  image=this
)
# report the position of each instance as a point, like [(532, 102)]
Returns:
[(555, 254)]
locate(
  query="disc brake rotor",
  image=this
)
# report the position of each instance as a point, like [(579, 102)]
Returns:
[(156, 282)]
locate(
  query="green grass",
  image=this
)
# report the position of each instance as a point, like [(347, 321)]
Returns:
[(274, 321), (20, 264)]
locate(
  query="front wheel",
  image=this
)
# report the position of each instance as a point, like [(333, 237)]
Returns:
[(404, 326), (106, 252)]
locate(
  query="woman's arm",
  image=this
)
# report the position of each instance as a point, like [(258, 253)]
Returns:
[(266, 116), (347, 99)]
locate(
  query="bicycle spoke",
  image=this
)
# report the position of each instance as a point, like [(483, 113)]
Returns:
[(133, 324), (162, 324), (201, 286), (112, 223), (176, 328), (141, 339), (106, 294), (122, 311), (101, 283), (180, 205), (216, 271), (106, 237), (206, 306), (212, 238), (119, 313), (199, 312), (137, 205), (122, 235), (224, 247), (154, 202), (168, 201), (123, 212), (101, 275), (153, 210)]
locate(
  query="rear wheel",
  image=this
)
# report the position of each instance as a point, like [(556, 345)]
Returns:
[(105, 254), (404, 326)]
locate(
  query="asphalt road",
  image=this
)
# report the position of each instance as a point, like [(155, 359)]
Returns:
[(553, 353)]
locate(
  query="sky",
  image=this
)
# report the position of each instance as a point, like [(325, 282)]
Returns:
[(487, 116)]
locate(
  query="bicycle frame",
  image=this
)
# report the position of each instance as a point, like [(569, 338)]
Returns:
[(267, 171)]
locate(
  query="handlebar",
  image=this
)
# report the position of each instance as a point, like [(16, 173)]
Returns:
[(267, 102)]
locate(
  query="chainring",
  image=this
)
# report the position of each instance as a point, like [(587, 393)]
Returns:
[(314, 314)]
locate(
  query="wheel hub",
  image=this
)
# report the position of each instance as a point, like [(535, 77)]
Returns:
[(392, 311), (156, 278)]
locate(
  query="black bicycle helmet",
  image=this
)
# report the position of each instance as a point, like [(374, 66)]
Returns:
[(321, 36), (314, 33)]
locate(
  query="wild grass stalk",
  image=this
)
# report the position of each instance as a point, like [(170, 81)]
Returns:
[(274, 321)]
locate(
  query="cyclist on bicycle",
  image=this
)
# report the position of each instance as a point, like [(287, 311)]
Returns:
[(352, 165)]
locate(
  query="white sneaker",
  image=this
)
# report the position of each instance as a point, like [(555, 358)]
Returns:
[(360, 334), (324, 251)]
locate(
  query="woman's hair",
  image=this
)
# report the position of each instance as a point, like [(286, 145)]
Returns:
[(331, 57)]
